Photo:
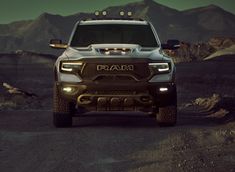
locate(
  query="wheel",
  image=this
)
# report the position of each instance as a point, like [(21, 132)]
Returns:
[(167, 115), (62, 110)]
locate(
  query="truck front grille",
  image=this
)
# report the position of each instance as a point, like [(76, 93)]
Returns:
[(116, 69)]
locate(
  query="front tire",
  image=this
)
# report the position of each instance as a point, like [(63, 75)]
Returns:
[(62, 110), (167, 115)]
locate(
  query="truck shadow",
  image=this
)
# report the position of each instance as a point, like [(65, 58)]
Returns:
[(115, 119)]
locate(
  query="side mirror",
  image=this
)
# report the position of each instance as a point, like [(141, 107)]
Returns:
[(171, 44), (57, 43)]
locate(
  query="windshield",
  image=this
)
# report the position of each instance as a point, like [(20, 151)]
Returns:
[(86, 35)]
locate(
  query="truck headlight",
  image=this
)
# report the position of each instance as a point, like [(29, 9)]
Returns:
[(160, 67), (70, 66)]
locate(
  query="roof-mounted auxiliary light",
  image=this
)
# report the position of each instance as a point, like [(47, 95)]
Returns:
[(100, 13), (129, 13), (104, 13), (122, 13), (97, 13)]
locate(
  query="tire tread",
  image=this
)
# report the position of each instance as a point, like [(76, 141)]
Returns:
[(61, 110)]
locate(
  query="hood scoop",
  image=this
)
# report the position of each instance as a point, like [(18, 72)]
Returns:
[(114, 51)]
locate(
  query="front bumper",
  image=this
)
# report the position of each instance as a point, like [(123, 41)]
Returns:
[(118, 96)]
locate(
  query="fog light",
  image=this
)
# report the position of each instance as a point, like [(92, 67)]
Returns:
[(97, 13), (67, 89), (104, 13), (163, 89), (122, 13)]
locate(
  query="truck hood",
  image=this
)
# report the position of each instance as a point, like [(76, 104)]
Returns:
[(114, 51)]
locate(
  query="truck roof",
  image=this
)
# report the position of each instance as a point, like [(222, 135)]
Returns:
[(113, 21)]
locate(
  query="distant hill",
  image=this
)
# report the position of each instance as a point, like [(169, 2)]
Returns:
[(194, 25)]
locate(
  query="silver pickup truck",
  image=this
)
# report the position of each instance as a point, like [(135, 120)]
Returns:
[(114, 64)]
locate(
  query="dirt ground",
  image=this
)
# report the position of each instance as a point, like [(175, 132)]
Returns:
[(202, 140)]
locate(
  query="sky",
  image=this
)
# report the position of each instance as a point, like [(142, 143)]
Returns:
[(14, 10)]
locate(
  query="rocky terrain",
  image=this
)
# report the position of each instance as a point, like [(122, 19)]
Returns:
[(216, 46), (30, 72), (202, 140), (193, 26)]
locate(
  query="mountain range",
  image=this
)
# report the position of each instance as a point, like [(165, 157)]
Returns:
[(194, 25)]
